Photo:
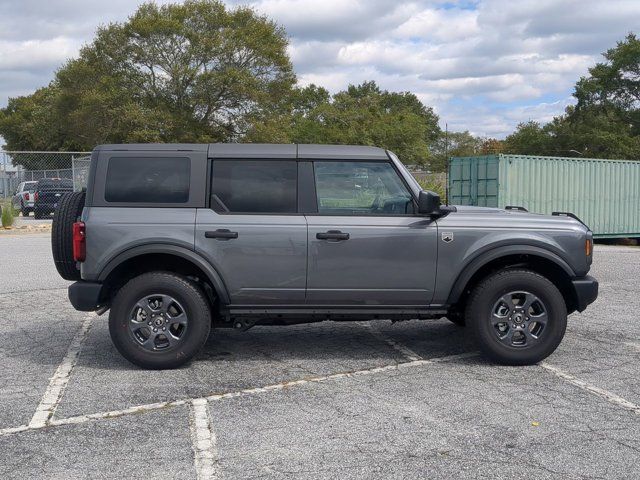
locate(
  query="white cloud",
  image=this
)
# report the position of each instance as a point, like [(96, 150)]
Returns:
[(36, 55), (484, 65)]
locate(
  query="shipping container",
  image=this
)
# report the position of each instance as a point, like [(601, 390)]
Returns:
[(605, 194)]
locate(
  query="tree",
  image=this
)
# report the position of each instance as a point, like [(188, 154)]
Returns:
[(360, 115), (192, 72), (453, 144), (614, 85), (530, 138), (604, 123)]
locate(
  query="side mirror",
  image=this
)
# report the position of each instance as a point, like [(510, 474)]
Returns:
[(428, 203)]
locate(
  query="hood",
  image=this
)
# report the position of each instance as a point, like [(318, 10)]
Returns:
[(498, 217)]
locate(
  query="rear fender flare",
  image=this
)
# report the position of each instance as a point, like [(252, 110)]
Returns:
[(211, 273)]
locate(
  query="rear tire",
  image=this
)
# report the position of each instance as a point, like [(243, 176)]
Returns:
[(159, 297), (518, 317), (23, 210), (68, 212)]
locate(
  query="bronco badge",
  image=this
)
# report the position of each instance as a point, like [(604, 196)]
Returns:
[(447, 237)]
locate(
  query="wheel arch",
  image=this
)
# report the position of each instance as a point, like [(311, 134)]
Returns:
[(165, 257), (537, 259)]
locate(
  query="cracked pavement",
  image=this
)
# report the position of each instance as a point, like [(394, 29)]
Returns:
[(460, 418)]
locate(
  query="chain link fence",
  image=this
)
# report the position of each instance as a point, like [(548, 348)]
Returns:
[(18, 167)]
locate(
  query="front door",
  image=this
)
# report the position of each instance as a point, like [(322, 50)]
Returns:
[(252, 234), (366, 245)]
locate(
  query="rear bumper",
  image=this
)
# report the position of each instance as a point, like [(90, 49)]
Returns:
[(85, 296), (586, 290)]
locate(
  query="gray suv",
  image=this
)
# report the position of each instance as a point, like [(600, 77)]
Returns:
[(177, 239)]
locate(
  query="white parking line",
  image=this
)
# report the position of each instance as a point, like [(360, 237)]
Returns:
[(609, 396), (404, 350), (635, 346), (204, 440), (58, 382), (222, 396)]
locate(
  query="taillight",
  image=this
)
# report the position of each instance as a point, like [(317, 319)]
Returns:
[(26, 196), (35, 197), (79, 242)]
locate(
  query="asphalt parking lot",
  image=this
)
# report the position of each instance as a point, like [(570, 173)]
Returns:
[(328, 400)]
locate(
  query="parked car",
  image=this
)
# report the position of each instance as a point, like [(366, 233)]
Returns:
[(48, 193), (24, 198), (175, 239)]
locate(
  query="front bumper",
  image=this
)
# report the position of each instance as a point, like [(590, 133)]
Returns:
[(85, 296), (586, 290)]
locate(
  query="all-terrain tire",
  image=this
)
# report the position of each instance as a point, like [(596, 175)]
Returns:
[(68, 212), (186, 293), (489, 293)]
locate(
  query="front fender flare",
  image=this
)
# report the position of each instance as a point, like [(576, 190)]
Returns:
[(211, 273), (483, 259)]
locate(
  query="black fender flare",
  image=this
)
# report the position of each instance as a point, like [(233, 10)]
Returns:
[(472, 267), (178, 251)]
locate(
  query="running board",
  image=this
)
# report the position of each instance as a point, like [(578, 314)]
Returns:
[(320, 312)]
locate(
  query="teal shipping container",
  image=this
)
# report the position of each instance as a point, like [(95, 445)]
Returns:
[(605, 194)]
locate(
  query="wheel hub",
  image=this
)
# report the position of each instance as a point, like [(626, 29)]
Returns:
[(158, 322), (519, 318)]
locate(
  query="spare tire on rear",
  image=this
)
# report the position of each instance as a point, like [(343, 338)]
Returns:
[(68, 212)]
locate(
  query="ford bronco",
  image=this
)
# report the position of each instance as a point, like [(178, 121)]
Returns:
[(177, 239)]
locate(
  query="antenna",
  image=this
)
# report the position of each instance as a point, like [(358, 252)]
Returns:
[(446, 154)]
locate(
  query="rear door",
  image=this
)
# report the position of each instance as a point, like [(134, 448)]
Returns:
[(366, 245), (252, 233)]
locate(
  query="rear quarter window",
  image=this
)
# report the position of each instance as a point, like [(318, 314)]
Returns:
[(148, 180)]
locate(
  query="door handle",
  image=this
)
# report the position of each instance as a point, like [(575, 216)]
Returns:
[(221, 234), (332, 235)]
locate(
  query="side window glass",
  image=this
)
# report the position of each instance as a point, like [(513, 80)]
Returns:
[(254, 186), (148, 180), (360, 188)]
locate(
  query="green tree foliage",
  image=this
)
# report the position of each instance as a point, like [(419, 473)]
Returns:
[(453, 144), (605, 122), (360, 115), (192, 72)]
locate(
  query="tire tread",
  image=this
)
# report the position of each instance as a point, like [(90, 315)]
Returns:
[(67, 213)]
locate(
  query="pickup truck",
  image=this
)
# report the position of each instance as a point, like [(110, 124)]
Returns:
[(48, 193), (24, 197)]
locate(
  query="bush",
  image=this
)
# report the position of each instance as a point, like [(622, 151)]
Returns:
[(7, 214), (435, 183)]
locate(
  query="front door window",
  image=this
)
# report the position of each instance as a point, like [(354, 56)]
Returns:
[(360, 188)]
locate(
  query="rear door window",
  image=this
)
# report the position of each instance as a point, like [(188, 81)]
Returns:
[(254, 186), (148, 180)]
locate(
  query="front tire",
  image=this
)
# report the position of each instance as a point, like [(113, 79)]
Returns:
[(159, 320), (518, 317)]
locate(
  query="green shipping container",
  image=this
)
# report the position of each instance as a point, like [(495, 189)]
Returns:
[(605, 194)]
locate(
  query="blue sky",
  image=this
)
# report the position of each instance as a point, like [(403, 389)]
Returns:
[(483, 65)]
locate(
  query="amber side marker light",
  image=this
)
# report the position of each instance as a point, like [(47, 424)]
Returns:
[(588, 247)]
